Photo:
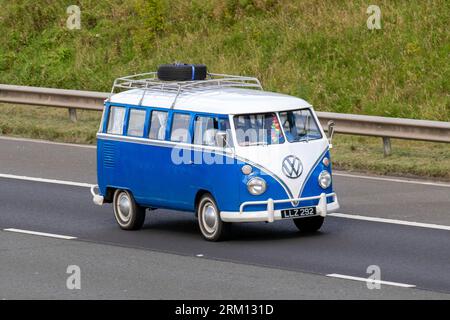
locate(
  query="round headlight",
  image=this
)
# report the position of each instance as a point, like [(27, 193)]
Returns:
[(256, 186), (324, 179)]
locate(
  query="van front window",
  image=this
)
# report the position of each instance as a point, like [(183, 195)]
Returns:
[(299, 125), (258, 129)]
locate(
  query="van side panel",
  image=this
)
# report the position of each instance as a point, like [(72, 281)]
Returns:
[(219, 174), (141, 168), (155, 180)]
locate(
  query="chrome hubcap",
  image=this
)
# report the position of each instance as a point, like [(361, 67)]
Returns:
[(124, 207), (209, 218)]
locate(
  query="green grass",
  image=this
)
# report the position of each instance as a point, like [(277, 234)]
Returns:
[(352, 153), (408, 158), (48, 124), (319, 50)]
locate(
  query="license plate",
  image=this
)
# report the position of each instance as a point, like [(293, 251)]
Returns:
[(298, 212)]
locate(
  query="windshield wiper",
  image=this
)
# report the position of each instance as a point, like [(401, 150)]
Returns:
[(307, 126), (257, 143)]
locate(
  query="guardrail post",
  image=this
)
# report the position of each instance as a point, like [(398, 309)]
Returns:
[(73, 114), (387, 146)]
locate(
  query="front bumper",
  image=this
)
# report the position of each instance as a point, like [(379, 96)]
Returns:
[(270, 215)]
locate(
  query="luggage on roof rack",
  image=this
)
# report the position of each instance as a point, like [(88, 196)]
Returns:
[(182, 72)]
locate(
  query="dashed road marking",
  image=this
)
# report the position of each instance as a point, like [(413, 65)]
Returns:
[(53, 181), (427, 183), (389, 283), (42, 234), (339, 215), (391, 221)]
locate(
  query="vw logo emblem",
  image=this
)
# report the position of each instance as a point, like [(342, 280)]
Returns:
[(292, 167)]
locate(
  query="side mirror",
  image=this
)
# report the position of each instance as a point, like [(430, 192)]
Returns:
[(221, 139), (330, 132)]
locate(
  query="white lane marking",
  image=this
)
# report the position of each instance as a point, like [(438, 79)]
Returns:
[(43, 234), (392, 221), (426, 183), (336, 173), (199, 255), (49, 142), (53, 181), (340, 215), (389, 283)]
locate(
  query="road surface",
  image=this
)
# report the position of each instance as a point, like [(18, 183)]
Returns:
[(169, 259)]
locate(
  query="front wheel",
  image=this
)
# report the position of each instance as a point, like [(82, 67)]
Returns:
[(129, 215), (311, 224), (211, 225)]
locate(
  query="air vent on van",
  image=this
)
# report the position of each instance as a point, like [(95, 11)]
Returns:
[(108, 155)]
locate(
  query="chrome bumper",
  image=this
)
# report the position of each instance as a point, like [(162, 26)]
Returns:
[(270, 214), (96, 198)]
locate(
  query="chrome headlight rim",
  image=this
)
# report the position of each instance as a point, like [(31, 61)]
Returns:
[(256, 186), (324, 179)]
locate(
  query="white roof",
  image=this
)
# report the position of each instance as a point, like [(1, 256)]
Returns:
[(219, 101)]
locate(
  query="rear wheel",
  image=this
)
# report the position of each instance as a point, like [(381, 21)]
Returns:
[(129, 215), (211, 225), (307, 225)]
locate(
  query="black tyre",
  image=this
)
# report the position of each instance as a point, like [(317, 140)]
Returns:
[(182, 72), (129, 215), (308, 225), (211, 226)]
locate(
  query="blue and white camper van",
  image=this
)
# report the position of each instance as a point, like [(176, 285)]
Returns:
[(216, 145)]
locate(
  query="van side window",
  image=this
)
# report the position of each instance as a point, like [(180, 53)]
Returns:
[(158, 125), (180, 128), (116, 119), (205, 129), (136, 123)]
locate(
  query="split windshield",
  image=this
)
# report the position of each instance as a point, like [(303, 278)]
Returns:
[(299, 125), (266, 128)]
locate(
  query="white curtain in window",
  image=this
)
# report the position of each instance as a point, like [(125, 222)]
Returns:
[(162, 119), (116, 119)]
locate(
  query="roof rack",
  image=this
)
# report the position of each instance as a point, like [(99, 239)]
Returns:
[(150, 82)]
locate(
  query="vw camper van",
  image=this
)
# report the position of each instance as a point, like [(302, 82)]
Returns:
[(215, 145)]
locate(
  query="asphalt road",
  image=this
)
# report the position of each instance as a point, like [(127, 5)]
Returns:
[(411, 255), (36, 267), (369, 197)]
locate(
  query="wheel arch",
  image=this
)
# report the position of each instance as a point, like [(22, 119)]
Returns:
[(109, 194), (200, 193)]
